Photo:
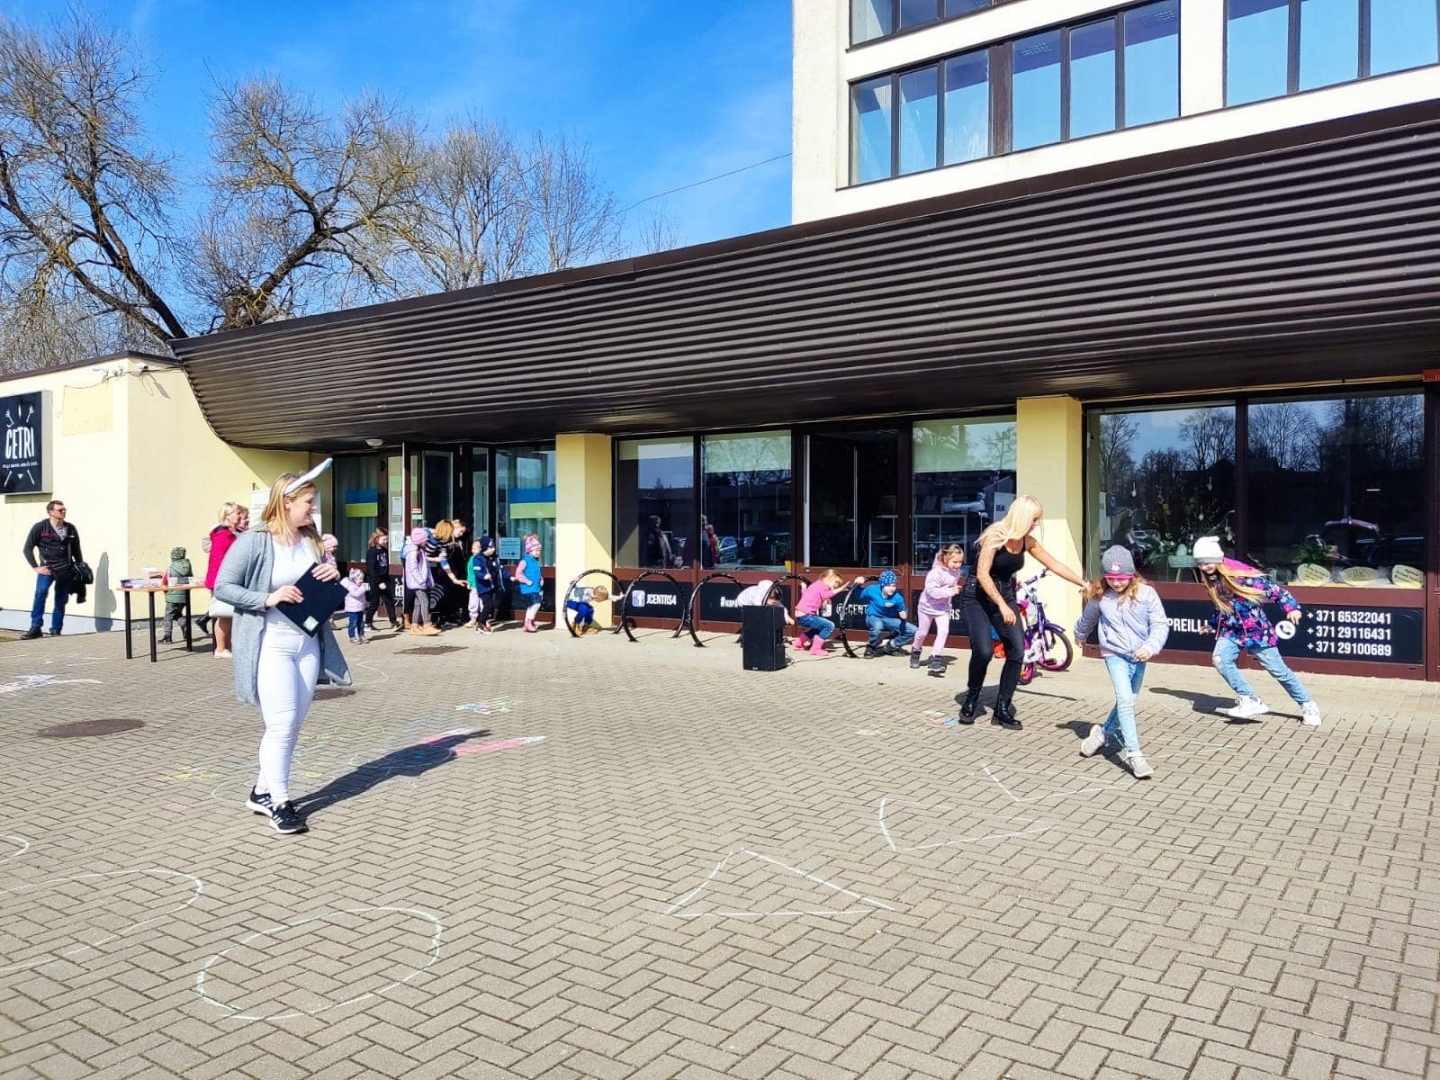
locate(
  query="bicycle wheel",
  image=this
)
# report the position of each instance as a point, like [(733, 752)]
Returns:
[(1059, 653), (1027, 673)]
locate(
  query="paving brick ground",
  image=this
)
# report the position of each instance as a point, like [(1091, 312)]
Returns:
[(703, 872)]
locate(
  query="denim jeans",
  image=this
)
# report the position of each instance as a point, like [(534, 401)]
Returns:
[(817, 625), (62, 596), (904, 632), (1227, 652), (1126, 675), (357, 624)]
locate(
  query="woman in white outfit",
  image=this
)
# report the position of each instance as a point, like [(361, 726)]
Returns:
[(276, 663)]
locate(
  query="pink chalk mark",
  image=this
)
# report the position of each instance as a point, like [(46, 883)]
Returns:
[(445, 735), (503, 744)]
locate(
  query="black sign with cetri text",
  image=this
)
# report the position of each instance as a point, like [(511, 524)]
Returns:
[(1385, 635), (22, 460), (656, 598)]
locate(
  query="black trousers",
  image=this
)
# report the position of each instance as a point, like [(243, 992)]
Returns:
[(980, 614), (380, 596)]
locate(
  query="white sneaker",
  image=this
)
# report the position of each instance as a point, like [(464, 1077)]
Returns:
[(1310, 714), (1137, 764), (1093, 743), (1246, 709)]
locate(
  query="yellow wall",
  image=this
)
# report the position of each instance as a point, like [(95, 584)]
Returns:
[(140, 472), (584, 522), (1050, 465)]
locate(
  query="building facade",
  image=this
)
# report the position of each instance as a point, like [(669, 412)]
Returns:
[(1218, 322)]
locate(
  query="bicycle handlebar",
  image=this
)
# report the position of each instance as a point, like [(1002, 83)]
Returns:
[(1037, 577)]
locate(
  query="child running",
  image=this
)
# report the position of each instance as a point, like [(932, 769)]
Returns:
[(942, 584), (1133, 628), (815, 629), (1240, 625)]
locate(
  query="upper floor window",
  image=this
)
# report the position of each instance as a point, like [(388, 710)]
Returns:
[(1279, 47), (1119, 71), (871, 19)]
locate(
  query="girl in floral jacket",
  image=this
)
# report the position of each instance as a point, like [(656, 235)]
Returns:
[(1240, 625)]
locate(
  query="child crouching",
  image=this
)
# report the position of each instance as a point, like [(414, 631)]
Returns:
[(1133, 628)]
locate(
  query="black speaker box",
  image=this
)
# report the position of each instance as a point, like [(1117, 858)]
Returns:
[(762, 637)]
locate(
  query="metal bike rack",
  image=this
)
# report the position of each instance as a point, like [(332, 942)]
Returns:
[(625, 604), (687, 620), (569, 622), (835, 606)]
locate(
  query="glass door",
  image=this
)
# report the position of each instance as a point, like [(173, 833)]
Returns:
[(852, 488), (480, 491)]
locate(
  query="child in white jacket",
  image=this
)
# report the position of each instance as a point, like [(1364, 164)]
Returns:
[(1133, 628)]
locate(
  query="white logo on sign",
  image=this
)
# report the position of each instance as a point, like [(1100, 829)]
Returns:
[(637, 597), (1285, 630), (727, 601)]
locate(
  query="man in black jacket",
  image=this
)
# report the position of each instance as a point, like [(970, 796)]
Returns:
[(58, 543)]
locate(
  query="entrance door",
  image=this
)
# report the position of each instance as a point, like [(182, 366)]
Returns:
[(852, 485)]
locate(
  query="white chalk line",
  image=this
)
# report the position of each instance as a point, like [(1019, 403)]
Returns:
[(235, 1014), (369, 666), (672, 909), (22, 841), (1090, 788), (890, 840), (195, 882)]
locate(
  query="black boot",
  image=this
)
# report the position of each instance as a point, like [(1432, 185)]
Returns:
[(915, 659), (969, 706), (937, 666), (202, 623), (31, 634), (1004, 715)]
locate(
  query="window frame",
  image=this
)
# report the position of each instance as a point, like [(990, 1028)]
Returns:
[(1365, 9), (895, 7)]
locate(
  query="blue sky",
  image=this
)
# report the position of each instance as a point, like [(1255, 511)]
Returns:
[(665, 93)]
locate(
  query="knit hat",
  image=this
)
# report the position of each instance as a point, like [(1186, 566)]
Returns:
[(1208, 549), (177, 553), (532, 545), (1116, 562), (328, 541), (888, 577), (417, 536), (357, 575), (486, 542)]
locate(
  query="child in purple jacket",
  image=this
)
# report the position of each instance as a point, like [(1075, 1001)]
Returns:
[(942, 584)]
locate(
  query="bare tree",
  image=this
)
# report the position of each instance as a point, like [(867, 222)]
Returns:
[(303, 204), (83, 195), (1118, 432), (658, 231), (576, 221), (1209, 435), (1287, 433)]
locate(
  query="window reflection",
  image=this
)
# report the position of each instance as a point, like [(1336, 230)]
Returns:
[(655, 524), (1161, 478), (870, 19), (967, 107), (746, 498), (917, 12), (1403, 35), (853, 477), (1329, 42), (919, 118), (964, 479), (1152, 63), (870, 154), (1335, 487), (525, 495), (1035, 103), (1092, 79), (1257, 49)]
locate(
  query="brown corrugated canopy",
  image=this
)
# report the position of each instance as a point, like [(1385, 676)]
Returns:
[(1311, 254)]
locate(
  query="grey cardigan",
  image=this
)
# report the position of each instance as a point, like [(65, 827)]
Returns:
[(244, 583)]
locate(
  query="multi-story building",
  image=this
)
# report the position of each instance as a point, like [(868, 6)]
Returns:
[(1172, 266)]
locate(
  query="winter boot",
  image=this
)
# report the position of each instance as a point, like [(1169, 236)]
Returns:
[(936, 666), (970, 705), (817, 647), (914, 659)]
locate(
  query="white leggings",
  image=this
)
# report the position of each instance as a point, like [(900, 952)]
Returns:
[(532, 611), (942, 631), (289, 669)]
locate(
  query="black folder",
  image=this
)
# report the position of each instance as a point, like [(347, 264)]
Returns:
[(320, 600)]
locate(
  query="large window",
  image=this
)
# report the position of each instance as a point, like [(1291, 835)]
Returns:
[(851, 486), (746, 498), (1278, 47), (1337, 486), (1157, 480), (1119, 71), (964, 479), (871, 19), (655, 525), (525, 496)]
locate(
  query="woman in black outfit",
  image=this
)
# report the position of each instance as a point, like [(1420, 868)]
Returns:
[(377, 573), (989, 600)]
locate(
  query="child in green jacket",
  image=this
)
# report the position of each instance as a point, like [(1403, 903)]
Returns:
[(179, 573)]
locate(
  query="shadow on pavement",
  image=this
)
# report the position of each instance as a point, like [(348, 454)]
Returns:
[(1203, 703), (407, 761)]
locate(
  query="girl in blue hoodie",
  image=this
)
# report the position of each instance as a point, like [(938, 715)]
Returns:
[(1133, 628)]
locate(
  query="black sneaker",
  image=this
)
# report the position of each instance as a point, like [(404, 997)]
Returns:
[(31, 634), (914, 659), (287, 819), (872, 651), (259, 802)]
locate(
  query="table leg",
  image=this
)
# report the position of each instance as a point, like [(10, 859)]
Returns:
[(129, 651), (153, 655), (189, 641)]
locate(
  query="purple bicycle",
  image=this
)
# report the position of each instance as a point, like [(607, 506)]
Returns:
[(1047, 646)]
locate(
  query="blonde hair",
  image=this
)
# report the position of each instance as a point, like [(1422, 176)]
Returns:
[(444, 531), (276, 521), (1097, 588), (1015, 525), (599, 594), (946, 550), (226, 509), (374, 536), (1232, 582), (832, 575)]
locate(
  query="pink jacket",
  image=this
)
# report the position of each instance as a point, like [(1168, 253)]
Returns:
[(940, 585), (221, 537), (813, 598)]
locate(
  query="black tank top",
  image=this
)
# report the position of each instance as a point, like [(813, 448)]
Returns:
[(1003, 567)]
